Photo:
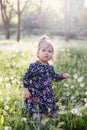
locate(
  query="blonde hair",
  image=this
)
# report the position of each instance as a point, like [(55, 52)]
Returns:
[(45, 39)]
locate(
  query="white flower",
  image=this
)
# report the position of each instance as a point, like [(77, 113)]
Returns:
[(62, 112), (1, 80), (8, 85), (8, 128), (12, 78), (72, 87), (68, 93), (0, 93), (66, 85), (85, 99), (76, 111), (75, 76), (86, 105), (6, 107), (1, 99), (23, 119), (6, 79), (82, 85), (72, 98), (80, 79), (85, 93), (7, 98)]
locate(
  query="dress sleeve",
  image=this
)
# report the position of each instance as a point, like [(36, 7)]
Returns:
[(28, 75), (56, 76)]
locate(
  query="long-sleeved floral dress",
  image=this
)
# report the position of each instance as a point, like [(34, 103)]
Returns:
[(38, 79)]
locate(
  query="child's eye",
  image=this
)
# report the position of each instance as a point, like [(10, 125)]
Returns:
[(43, 50), (49, 51)]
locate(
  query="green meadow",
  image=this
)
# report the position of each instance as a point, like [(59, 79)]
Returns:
[(70, 95)]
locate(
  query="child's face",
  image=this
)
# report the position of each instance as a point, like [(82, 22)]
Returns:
[(45, 53)]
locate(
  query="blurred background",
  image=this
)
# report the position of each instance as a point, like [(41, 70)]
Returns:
[(22, 18)]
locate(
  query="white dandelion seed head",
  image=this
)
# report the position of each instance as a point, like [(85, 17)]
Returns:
[(75, 76), (8, 128), (1, 99), (7, 98), (8, 85), (6, 107), (6, 79), (82, 85)]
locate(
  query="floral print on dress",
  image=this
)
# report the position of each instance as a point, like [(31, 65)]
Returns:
[(38, 79)]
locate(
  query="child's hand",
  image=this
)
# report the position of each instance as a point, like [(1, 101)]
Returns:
[(27, 94), (66, 76)]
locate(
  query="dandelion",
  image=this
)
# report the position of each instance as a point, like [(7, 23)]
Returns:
[(1, 80), (6, 79), (23, 119), (85, 93), (8, 128), (82, 85), (72, 98), (1, 99), (12, 78), (7, 98), (66, 85), (72, 87), (6, 107), (85, 99), (75, 76), (8, 85), (0, 93), (80, 79), (62, 112), (86, 105), (76, 111), (68, 94)]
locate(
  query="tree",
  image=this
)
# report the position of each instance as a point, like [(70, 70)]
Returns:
[(5, 17), (19, 12)]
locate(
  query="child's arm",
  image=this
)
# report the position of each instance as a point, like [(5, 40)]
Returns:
[(27, 79), (58, 76)]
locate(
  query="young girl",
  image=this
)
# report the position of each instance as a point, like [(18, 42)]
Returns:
[(37, 80)]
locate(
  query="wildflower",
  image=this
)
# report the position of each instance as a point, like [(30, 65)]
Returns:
[(0, 93), (76, 111), (80, 79), (12, 78), (1, 99), (75, 76), (7, 98), (72, 98), (68, 94), (6, 79), (85, 93), (6, 107), (85, 99), (72, 87), (66, 85), (82, 85), (86, 105), (8, 85), (23, 119), (1, 80), (8, 128), (62, 112)]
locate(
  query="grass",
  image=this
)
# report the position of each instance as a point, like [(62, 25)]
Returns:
[(70, 95)]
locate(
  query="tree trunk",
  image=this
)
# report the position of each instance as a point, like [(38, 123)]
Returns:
[(19, 22), (5, 19), (67, 19)]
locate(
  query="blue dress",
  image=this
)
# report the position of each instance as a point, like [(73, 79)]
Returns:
[(38, 79)]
